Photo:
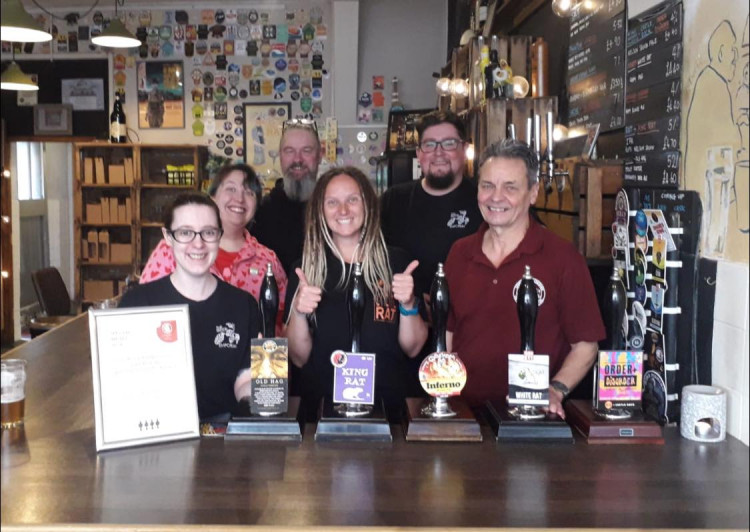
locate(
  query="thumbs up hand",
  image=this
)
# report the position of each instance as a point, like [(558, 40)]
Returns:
[(308, 296), (403, 286)]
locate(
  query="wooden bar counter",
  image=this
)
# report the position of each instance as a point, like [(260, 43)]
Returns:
[(53, 479)]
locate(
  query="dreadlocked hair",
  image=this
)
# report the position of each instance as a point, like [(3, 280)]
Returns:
[(371, 251)]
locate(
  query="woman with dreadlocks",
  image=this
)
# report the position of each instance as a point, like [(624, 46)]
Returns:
[(342, 227)]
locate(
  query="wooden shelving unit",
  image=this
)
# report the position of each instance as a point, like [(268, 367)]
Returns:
[(120, 191)]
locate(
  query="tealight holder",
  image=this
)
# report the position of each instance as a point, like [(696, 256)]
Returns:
[(703, 415)]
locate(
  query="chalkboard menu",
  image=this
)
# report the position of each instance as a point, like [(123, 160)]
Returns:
[(596, 66), (652, 97)]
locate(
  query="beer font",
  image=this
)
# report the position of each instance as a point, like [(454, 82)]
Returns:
[(440, 302), (268, 303), (527, 306), (615, 301), (356, 301)]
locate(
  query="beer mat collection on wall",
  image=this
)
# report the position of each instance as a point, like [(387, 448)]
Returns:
[(228, 57)]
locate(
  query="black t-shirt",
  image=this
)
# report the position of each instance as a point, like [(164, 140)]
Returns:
[(330, 331), (280, 225), (221, 328), (426, 226)]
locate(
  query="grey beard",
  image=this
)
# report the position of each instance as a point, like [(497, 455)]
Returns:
[(439, 182), (298, 190)]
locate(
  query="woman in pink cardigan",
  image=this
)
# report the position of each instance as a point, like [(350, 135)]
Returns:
[(242, 260)]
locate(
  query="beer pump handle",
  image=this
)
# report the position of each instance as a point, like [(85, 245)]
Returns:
[(527, 306), (615, 306), (269, 303), (550, 138), (356, 300), (529, 129), (439, 307)]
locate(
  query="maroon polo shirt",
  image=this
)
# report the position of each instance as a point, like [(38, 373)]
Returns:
[(483, 315)]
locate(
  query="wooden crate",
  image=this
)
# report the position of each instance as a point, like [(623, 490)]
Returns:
[(583, 212)]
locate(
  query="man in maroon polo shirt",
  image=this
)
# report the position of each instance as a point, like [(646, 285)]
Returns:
[(483, 269)]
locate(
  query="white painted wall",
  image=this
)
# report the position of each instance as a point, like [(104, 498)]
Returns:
[(58, 188), (407, 39), (731, 348)]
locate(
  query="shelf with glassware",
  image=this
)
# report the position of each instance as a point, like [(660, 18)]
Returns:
[(120, 191)]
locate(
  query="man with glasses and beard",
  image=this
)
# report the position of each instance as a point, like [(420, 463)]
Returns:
[(425, 217), (280, 221)]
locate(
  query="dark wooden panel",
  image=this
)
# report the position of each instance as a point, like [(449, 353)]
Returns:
[(53, 474)]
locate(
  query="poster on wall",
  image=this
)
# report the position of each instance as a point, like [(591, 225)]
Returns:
[(160, 95), (263, 125), (83, 94)]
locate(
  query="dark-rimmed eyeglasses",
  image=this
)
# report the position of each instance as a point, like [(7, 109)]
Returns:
[(429, 146), (185, 236), (300, 123)]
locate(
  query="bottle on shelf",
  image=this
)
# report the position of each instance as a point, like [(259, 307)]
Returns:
[(117, 129), (490, 76)]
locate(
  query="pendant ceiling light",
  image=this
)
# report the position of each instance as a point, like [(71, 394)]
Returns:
[(116, 35), (19, 26), (13, 79)]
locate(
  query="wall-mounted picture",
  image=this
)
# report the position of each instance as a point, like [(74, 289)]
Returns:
[(161, 95), (402, 129), (53, 119), (589, 146), (264, 123)]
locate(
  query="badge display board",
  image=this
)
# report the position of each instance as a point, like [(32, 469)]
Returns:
[(596, 66), (664, 232), (652, 97), (142, 367)]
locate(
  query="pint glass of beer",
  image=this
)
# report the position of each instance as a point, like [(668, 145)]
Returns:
[(13, 392)]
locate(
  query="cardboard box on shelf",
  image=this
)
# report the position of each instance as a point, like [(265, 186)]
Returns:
[(88, 170), (113, 218), (105, 210), (120, 252), (94, 290), (94, 213), (101, 177), (116, 174), (103, 246), (84, 250), (129, 171), (128, 211), (92, 239), (122, 217)]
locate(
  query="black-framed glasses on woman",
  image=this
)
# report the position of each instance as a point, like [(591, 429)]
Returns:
[(185, 236), (429, 146), (300, 123)]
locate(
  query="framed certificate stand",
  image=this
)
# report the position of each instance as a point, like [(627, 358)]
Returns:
[(142, 368)]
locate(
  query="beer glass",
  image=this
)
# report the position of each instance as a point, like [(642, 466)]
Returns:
[(13, 394)]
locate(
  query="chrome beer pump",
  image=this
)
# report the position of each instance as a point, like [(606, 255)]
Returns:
[(547, 169)]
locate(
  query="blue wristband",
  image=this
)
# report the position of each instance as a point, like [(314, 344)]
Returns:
[(408, 312)]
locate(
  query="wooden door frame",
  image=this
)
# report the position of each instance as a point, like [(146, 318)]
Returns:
[(7, 316)]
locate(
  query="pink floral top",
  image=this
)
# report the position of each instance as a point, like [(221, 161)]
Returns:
[(246, 272)]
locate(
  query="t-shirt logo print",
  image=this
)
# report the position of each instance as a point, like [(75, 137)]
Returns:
[(458, 220), (226, 336)]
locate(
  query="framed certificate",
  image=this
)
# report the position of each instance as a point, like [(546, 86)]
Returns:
[(142, 368)]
